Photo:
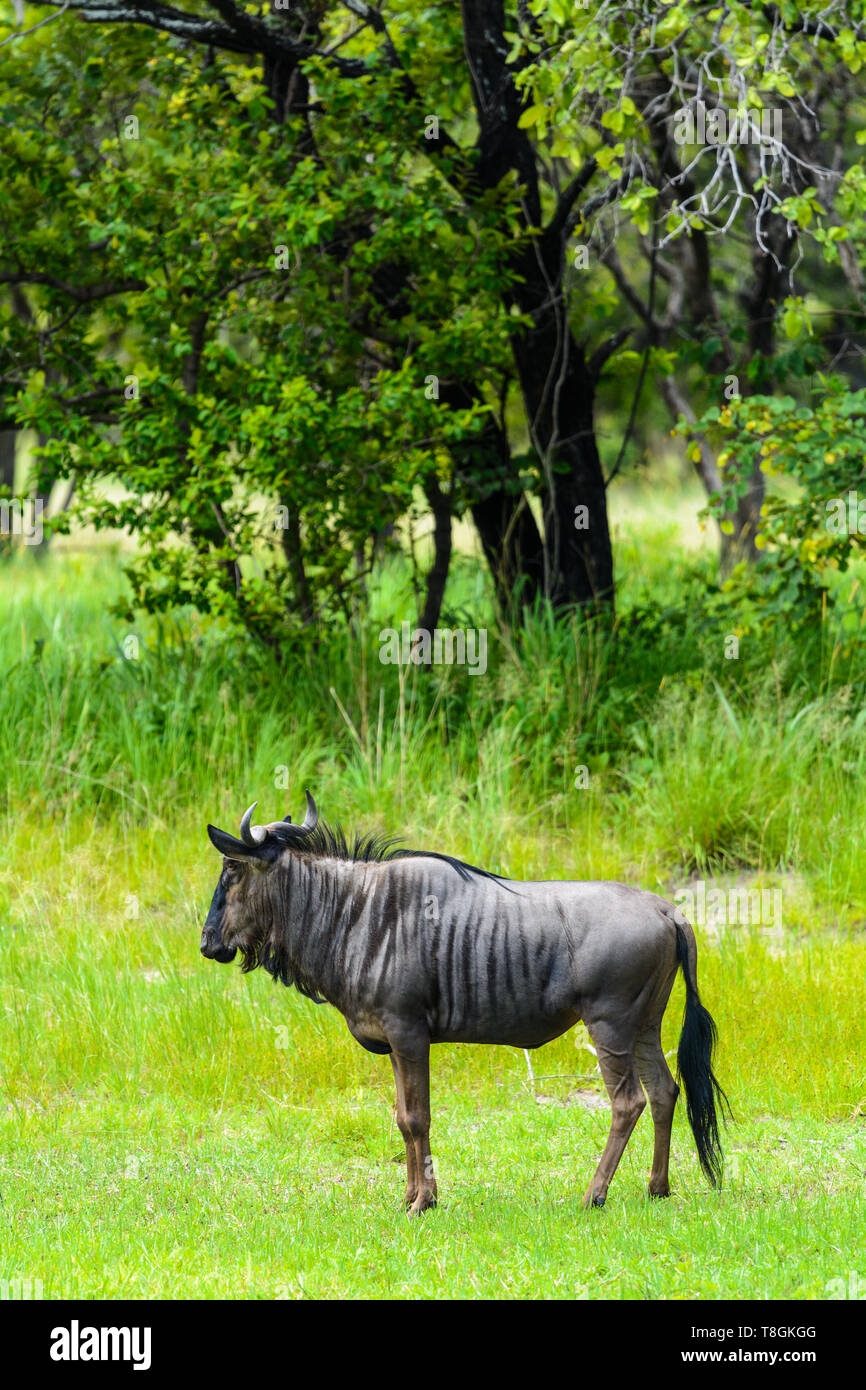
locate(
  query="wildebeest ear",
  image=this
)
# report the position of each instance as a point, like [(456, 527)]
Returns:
[(231, 848)]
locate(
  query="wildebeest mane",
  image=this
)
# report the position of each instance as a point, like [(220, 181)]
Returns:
[(330, 842)]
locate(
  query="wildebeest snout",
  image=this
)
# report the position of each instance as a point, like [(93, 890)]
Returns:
[(213, 949)]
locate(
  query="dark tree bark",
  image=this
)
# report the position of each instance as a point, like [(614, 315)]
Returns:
[(761, 300), (294, 553), (437, 578), (503, 518), (8, 440), (558, 387), (559, 393)]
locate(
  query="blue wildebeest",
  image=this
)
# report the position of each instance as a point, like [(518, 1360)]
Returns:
[(415, 948)]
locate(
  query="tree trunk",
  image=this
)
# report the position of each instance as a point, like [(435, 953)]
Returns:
[(8, 439), (503, 518), (559, 396), (557, 386), (293, 551), (437, 578)]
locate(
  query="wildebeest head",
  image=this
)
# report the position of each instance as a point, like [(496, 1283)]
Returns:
[(240, 918)]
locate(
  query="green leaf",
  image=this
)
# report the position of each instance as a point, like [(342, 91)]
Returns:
[(532, 116)]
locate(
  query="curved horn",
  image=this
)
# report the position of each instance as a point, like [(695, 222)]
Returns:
[(281, 827), (252, 835), (311, 819)]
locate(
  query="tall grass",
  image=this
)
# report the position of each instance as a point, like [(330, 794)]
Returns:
[(631, 750)]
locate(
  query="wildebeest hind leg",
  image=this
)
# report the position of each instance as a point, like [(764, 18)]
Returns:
[(662, 1091), (411, 1166), (617, 1062)]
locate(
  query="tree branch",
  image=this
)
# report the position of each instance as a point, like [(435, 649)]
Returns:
[(815, 28), (569, 197), (19, 33), (243, 35), (82, 294), (606, 350)]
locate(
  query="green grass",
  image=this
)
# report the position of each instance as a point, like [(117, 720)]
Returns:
[(173, 1129), (281, 1200)]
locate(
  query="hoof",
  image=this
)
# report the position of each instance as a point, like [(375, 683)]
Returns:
[(659, 1196), (590, 1202), (421, 1204)]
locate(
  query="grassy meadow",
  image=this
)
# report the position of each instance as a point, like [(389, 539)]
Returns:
[(171, 1129)]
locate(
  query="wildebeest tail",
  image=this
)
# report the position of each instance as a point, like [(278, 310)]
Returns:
[(705, 1099)]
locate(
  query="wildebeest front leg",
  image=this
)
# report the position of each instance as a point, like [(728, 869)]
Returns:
[(411, 1165), (627, 1101), (413, 1118)]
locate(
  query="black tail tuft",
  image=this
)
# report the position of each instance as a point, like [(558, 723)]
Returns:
[(694, 1066)]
